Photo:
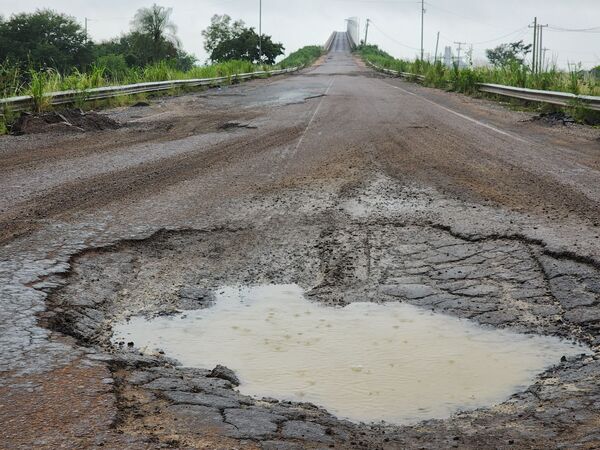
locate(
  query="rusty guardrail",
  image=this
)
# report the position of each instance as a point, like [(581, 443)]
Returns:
[(26, 102), (532, 95)]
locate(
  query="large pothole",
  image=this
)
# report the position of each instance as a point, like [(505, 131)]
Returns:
[(366, 362), (504, 283)]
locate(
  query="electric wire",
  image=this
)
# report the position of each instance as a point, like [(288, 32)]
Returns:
[(393, 39)]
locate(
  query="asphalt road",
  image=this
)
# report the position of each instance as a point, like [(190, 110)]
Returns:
[(324, 155)]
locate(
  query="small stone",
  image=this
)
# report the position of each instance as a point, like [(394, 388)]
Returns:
[(225, 373), (209, 400), (307, 431)]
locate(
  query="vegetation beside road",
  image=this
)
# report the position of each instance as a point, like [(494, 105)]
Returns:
[(46, 51), (511, 72), (508, 71), (304, 57)]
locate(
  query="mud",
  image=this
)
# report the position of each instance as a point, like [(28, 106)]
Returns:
[(70, 120), (365, 362), (554, 118)]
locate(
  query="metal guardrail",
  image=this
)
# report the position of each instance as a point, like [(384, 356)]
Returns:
[(65, 97), (532, 95), (329, 43), (407, 75)]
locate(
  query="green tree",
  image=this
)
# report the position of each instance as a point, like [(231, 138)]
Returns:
[(138, 51), (44, 39), (245, 46), (155, 23), (508, 54), (221, 29), (225, 40)]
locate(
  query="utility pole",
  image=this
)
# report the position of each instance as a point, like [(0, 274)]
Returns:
[(86, 30), (367, 31), (534, 54), (540, 47), (437, 45), (422, 28), (544, 50), (460, 44), (260, 54)]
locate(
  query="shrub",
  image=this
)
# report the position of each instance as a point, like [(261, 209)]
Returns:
[(115, 66)]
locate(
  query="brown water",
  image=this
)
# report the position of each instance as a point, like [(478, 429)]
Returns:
[(365, 362)]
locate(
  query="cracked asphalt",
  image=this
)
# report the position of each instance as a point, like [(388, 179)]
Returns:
[(355, 186)]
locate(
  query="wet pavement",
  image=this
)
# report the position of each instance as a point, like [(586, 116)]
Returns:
[(347, 187)]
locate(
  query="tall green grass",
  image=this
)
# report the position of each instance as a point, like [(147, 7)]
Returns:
[(465, 79), (303, 57), (38, 84), (114, 71)]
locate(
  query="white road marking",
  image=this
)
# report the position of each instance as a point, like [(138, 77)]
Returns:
[(312, 119), (470, 119)]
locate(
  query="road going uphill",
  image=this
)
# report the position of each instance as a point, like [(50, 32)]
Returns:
[(353, 185)]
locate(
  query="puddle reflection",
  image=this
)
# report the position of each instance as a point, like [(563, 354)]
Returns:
[(366, 362)]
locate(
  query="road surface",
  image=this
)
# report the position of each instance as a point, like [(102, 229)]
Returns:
[(353, 185)]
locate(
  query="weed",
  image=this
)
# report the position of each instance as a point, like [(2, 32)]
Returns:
[(463, 79), (3, 125), (40, 85), (578, 110), (574, 76)]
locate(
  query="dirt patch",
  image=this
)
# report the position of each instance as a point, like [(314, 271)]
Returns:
[(71, 120), (86, 423), (554, 118)]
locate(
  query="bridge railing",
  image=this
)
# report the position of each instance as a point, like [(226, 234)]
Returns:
[(353, 31), (329, 43)]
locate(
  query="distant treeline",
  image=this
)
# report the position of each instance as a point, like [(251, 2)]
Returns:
[(47, 39)]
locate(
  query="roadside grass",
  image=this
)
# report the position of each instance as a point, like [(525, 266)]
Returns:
[(303, 57), (575, 81), (15, 82), (4, 125), (465, 80)]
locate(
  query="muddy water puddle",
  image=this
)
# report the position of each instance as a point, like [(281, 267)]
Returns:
[(365, 362)]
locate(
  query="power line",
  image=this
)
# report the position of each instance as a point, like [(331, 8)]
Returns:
[(521, 30), (391, 38), (575, 30), (500, 37)]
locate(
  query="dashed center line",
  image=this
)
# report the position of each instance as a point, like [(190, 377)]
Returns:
[(312, 119)]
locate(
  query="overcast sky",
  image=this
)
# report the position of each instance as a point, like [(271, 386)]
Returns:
[(396, 23)]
